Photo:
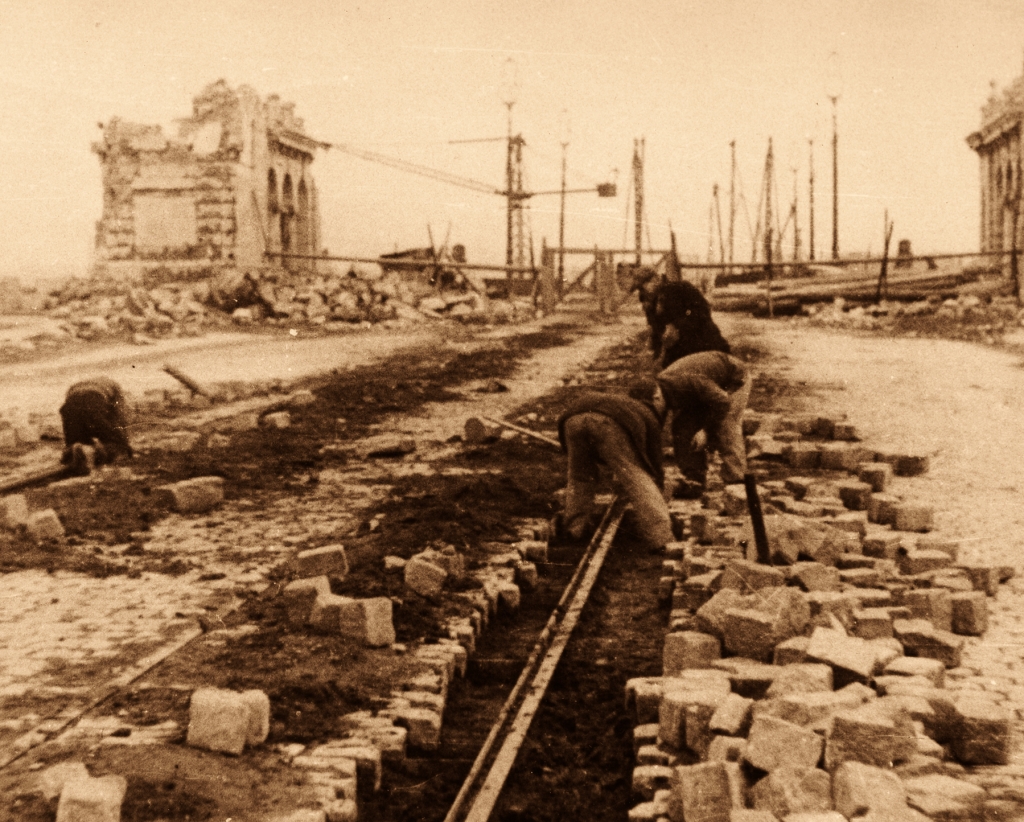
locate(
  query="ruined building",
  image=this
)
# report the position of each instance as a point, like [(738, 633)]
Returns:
[(998, 143), (234, 184)]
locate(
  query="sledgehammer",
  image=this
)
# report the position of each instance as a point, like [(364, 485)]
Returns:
[(476, 431)]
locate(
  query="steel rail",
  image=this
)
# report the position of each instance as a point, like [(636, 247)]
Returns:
[(540, 667)]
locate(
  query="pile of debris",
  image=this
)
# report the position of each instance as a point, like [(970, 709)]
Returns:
[(828, 684), (967, 317), (91, 309)]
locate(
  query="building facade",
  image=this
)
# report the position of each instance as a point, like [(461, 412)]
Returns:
[(998, 144), (230, 191)]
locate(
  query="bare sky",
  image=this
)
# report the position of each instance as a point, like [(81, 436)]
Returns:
[(405, 79)]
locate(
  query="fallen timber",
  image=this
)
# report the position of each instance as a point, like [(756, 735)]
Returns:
[(864, 288)]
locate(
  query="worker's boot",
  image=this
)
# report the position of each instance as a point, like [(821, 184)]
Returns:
[(83, 460)]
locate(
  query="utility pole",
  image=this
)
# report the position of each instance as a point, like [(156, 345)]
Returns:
[(835, 180), (732, 201), (768, 172), (796, 227), (638, 195), (561, 212), (810, 184)]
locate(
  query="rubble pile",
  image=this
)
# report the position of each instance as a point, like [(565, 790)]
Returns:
[(828, 685), (91, 309), (992, 320)]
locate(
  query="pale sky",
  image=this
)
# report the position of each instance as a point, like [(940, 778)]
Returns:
[(404, 79)]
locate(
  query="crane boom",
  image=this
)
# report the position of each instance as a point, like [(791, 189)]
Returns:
[(414, 168)]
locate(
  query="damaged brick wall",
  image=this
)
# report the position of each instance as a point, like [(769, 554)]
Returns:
[(233, 185)]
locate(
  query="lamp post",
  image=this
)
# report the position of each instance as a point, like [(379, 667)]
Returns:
[(833, 90), (565, 133)]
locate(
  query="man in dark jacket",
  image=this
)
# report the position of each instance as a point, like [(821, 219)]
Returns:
[(707, 392), (624, 435), (94, 412), (680, 321)]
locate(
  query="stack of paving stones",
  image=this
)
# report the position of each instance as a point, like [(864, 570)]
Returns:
[(411, 719), (829, 685)]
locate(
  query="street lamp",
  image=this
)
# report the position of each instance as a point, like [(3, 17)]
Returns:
[(565, 132), (834, 83)]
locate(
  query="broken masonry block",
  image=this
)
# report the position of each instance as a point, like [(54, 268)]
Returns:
[(855, 495), (933, 604), (328, 560), (793, 793), (700, 792), (672, 712), (192, 496), (92, 799), (913, 517), (44, 525), (300, 595), (875, 474), (774, 743), (689, 649), (858, 788), (218, 720), (983, 732), (424, 576), (969, 613), (13, 512)]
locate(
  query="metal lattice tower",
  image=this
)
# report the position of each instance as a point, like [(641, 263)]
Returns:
[(516, 253)]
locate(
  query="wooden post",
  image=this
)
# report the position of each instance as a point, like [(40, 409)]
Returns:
[(547, 287), (883, 281), (607, 290)]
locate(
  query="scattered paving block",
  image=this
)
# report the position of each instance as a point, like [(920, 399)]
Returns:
[(845, 431), (646, 734), (689, 649), (368, 621), (643, 698), (745, 575), (874, 734), (815, 709), (852, 522), (329, 560), (872, 623), (788, 791), (51, 782), (861, 577), (801, 678), (852, 659), (944, 797), (800, 455), (701, 793), (755, 630), (258, 728), (909, 465), (726, 749), (673, 716), (911, 516), (933, 604), (920, 638), (882, 545), (751, 815), (192, 496), (423, 725), (791, 651), (882, 508), (773, 743), (855, 495), (647, 779), (91, 799), (424, 576), (969, 613), (984, 578), (815, 576), (44, 525), (841, 456), (277, 419), (931, 669), (932, 542), (218, 720), (858, 788), (13, 512), (732, 716), (920, 562), (875, 474), (983, 734), (710, 617)]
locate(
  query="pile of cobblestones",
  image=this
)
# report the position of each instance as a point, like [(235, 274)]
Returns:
[(831, 684)]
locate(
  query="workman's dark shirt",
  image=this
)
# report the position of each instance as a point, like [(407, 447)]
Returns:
[(636, 418)]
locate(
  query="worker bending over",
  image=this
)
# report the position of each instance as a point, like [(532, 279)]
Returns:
[(622, 434), (706, 392), (93, 414)]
